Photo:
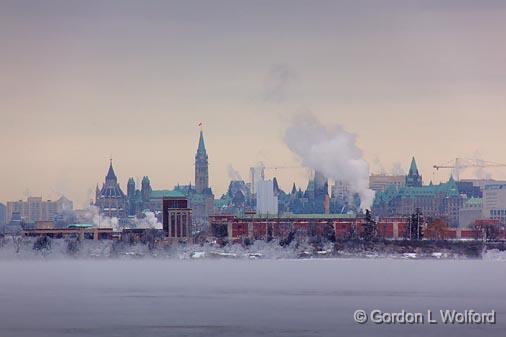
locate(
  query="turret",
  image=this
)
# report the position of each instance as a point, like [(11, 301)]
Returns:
[(131, 188), (145, 189)]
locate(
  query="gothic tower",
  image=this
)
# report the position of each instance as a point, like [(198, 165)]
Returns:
[(131, 188), (146, 189), (201, 167)]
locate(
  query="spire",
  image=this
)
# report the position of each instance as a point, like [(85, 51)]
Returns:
[(201, 167), (110, 174), (413, 179), (275, 184), (413, 169), (202, 147)]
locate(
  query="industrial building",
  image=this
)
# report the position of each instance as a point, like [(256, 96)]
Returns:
[(342, 226), (75, 231)]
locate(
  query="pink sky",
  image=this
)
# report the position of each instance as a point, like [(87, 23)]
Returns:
[(81, 80)]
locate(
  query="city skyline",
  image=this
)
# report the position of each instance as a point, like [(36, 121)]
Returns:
[(135, 81)]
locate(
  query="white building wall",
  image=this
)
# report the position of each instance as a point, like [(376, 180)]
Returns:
[(267, 202), (494, 202)]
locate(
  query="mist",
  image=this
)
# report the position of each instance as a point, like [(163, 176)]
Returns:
[(333, 151), (241, 298)]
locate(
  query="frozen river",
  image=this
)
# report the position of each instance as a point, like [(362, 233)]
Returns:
[(235, 298)]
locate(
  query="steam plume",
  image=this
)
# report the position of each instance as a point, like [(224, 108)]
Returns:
[(148, 221), (93, 215), (278, 79), (233, 174), (331, 150), (397, 169)]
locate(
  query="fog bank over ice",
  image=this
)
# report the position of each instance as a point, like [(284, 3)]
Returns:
[(239, 298)]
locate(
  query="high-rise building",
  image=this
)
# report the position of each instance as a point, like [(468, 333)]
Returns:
[(413, 179), (177, 216), (3, 214), (380, 182), (35, 209), (110, 198), (256, 174), (494, 202), (267, 201)]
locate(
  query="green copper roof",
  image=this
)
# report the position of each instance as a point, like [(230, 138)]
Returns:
[(80, 225), (413, 169), (160, 194), (197, 198), (448, 189), (474, 201), (222, 202)]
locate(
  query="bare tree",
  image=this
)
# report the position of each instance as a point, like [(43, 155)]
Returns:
[(17, 241)]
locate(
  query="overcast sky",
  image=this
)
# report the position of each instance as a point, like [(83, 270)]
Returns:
[(81, 80)]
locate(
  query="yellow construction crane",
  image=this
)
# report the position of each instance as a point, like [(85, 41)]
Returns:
[(459, 164)]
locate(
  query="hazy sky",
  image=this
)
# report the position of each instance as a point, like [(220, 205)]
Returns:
[(80, 80)]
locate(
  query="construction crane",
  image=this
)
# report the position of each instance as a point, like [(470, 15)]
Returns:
[(283, 167), (459, 164)]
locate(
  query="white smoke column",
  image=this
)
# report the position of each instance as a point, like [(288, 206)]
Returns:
[(332, 151), (379, 166), (459, 167), (480, 172), (397, 169), (148, 221), (93, 215), (233, 174)]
